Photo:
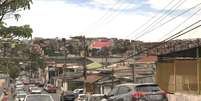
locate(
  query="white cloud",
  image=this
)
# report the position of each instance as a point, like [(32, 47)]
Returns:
[(113, 4)]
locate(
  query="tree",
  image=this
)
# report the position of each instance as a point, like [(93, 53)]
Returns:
[(10, 9), (16, 32)]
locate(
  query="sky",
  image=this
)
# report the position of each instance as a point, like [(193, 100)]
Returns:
[(110, 18)]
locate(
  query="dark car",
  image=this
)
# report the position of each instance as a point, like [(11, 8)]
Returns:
[(68, 96), (137, 92)]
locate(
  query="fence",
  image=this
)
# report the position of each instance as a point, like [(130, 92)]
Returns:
[(179, 75)]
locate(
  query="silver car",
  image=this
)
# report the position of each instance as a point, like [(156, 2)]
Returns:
[(137, 92), (38, 97)]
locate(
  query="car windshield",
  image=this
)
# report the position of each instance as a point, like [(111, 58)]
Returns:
[(148, 88), (39, 98)]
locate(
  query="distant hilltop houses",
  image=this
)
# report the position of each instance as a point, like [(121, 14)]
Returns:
[(114, 46)]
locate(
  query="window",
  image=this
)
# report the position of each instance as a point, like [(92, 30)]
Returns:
[(123, 90), (148, 88)]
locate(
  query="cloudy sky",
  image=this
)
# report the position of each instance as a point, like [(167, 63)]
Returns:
[(110, 18)]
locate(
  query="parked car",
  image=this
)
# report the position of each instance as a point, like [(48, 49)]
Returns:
[(137, 92), (50, 88), (81, 97), (40, 83), (25, 82), (19, 84), (68, 96), (96, 97), (39, 97), (78, 91), (35, 90), (30, 86)]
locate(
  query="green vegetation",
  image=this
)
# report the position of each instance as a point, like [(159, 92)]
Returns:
[(10, 9)]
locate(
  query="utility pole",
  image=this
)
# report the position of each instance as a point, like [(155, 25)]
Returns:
[(65, 56), (133, 67), (65, 53), (198, 69), (105, 53), (84, 63), (31, 60), (112, 77)]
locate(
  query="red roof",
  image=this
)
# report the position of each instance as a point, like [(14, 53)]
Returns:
[(148, 59), (101, 43)]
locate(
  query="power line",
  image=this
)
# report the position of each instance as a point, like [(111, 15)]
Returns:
[(181, 24), (113, 16), (161, 18), (152, 18), (178, 34), (107, 12), (151, 30)]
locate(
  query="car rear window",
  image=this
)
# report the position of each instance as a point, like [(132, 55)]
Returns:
[(147, 88)]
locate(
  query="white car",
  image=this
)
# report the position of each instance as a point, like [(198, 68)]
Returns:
[(38, 97), (82, 97), (35, 90), (78, 91), (19, 84), (30, 86), (20, 96)]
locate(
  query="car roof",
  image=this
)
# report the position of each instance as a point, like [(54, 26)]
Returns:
[(78, 89)]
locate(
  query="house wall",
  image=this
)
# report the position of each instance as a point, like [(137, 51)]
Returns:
[(179, 76)]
